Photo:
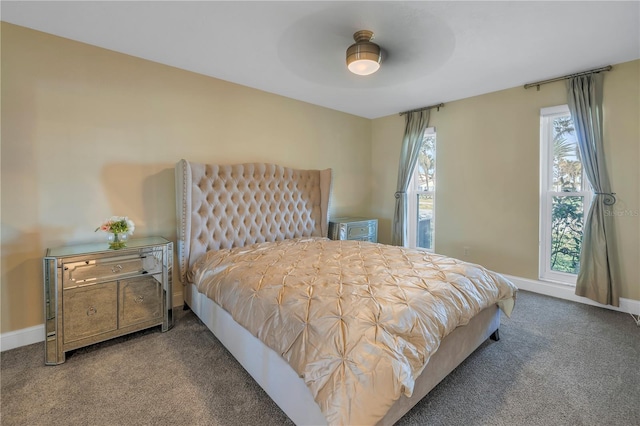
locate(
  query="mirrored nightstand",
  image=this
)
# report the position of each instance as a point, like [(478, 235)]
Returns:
[(353, 228), (92, 293)]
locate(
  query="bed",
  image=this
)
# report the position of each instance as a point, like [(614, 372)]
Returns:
[(259, 231)]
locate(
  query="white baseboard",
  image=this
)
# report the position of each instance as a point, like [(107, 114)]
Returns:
[(177, 299), (28, 336), (24, 337), (567, 292)]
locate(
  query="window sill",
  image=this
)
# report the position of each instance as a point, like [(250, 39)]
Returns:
[(557, 282)]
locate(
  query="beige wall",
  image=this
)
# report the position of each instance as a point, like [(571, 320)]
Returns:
[(88, 133), (488, 177)]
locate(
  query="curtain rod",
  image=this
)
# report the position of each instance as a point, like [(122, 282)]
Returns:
[(565, 77), (440, 105)]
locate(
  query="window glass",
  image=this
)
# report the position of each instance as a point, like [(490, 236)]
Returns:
[(426, 221), (564, 198), (421, 196), (567, 168)]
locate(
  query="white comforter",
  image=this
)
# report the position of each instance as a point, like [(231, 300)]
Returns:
[(357, 321)]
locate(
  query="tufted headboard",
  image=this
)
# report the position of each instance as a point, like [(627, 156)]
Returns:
[(225, 206)]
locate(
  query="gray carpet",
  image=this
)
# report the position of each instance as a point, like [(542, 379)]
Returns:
[(557, 363)]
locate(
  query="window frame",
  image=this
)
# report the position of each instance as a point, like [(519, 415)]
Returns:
[(547, 116), (413, 191)]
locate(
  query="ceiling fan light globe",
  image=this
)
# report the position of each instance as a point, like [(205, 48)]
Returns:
[(364, 66)]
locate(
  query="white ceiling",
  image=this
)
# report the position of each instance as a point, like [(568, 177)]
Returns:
[(434, 51)]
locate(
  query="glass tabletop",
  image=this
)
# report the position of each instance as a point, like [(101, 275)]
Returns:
[(79, 249)]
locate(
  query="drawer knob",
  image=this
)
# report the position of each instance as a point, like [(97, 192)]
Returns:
[(91, 311), (116, 268), (138, 299)]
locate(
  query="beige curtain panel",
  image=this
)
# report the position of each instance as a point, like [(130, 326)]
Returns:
[(597, 278), (415, 126)]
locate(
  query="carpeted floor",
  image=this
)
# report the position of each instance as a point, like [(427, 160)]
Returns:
[(557, 363)]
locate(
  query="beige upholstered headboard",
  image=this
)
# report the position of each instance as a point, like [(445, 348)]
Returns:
[(225, 206)]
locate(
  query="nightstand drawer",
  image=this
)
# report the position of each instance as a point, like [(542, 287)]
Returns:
[(108, 269), (358, 231)]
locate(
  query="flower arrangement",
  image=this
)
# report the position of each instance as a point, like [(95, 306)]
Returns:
[(117, 225), (119, 228)]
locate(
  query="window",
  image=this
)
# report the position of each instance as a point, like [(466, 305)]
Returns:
[(421, 195), (565, 196)]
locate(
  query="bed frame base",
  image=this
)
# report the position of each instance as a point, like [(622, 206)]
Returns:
[(495, 336), (289, 391)]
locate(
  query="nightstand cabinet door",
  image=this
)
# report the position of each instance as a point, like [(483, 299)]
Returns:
[(90, 311), (140, 301)]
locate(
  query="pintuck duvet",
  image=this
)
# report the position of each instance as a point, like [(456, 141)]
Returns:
[(357, 321)]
